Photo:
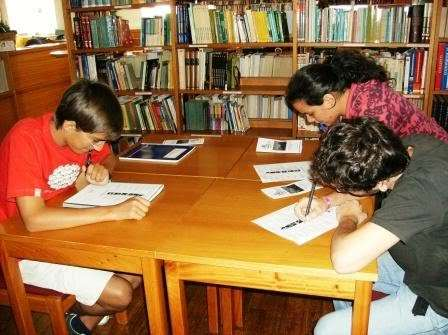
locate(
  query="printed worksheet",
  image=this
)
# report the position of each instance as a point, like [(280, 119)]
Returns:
[(112, 193), (285, 223), (288, 190), (269, 173), (279, 146)]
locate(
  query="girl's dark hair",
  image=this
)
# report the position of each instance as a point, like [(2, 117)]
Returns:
[(335, 74), (356, 154), (94, 108)]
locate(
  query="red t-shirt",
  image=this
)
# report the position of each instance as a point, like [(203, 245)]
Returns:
[(33, 164), (377, 100)]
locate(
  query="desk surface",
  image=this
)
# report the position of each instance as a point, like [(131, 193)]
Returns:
[(128, 237), (243, 169), (214, 158), (218, 230)]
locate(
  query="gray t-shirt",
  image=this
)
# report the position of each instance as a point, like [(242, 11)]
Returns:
[(416, 211)]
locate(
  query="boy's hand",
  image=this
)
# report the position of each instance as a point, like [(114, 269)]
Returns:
[(352, 209), (96, 174), (318, 206), (134, 208)]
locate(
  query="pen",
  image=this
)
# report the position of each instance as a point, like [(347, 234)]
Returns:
[(310, 199), (88, 159)]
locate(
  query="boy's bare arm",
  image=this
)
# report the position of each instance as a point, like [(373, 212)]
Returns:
[(38, 217)]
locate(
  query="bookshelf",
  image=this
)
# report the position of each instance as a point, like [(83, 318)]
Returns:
[(438, 96), (214, 38)]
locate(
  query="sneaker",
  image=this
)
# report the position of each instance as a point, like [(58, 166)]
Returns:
[(75, 325), (104, 320)]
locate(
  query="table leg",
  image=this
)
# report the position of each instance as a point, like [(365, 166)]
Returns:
[(213, 309), (153, 283), (237, 302), (361, 307), (225, 299), (176, 299), (16, 293)]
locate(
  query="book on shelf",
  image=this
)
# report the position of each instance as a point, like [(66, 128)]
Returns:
[(111, 194), (155, 31), (208, 69), (100, 30), (440, 110), (100, 3), (148, 114), (358, 23), (267, 22), (157, 153), (216, 113), (135, 71)]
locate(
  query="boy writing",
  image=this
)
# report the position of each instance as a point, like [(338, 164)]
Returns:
[(408, 233), (41, 157)]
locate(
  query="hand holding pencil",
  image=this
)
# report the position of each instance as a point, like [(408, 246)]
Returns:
[(310, 207)]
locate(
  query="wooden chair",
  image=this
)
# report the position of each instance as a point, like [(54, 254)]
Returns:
[(53, 303)]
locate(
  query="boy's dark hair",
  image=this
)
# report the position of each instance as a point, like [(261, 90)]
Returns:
[(356, 154), (335, 74), (94, 108)]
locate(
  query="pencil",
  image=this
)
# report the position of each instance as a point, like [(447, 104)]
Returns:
[(310, 199)]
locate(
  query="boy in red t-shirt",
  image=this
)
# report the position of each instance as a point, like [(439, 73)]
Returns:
[(41, 157)]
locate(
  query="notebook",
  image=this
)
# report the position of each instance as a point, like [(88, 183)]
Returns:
[(112, 193), (157, 152)]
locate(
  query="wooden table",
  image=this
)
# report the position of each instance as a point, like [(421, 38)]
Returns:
[(222, 246), (215, 158), (124, 246)]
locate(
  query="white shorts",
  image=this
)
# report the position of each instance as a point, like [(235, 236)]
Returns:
[(84, 283)]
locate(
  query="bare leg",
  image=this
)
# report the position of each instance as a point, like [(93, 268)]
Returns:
[(116, 297)]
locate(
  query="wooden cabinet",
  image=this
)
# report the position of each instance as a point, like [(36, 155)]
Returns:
[(37, 78), (40, 76)]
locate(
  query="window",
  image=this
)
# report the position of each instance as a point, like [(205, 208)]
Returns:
[(36, 17)]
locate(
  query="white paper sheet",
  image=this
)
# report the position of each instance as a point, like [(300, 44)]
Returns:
[(269, 173), (289, 190), (185, 141), (284, 223), (279, 146), (111, 194)]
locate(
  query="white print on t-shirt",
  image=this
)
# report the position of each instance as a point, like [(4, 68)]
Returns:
[(63, 176)]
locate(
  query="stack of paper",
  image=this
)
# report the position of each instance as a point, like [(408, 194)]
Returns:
[(269, 173), (111, 194)]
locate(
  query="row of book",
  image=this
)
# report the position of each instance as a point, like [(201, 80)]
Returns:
[(148, 114), (201, 23), (443, 27), (363, 24), (206, 69), (138, 71), (155, 31), (216, 113), (407, 70), (440, 110), (100, 30), (99, 3), (441, 77), (266, 107)]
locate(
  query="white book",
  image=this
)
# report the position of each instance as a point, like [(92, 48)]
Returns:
[(111, 194), (279, 146), (285, 224)]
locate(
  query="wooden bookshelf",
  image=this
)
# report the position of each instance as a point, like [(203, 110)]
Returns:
[(256, 85)]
